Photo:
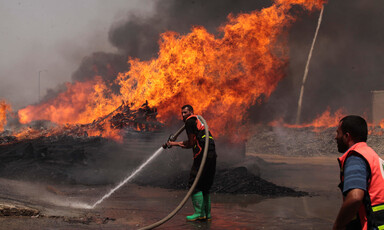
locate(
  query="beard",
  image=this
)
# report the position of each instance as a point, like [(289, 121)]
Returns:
[(341, 146)]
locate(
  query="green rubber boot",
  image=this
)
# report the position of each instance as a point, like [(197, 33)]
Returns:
[(207, 206), (198, 205)]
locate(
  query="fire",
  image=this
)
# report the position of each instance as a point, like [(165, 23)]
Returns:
[(381, 124), (221, 77), (4, 109), (81, 103), (323, 121), (107, 132)]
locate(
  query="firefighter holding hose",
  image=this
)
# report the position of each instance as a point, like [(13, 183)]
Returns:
[(196, 140), (362, 178)]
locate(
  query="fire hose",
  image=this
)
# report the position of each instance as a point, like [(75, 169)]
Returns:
[(182, 203)]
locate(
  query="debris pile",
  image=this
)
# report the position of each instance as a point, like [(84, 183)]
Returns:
[(303, 141), (143, 119), (17, 210), (236, 180)]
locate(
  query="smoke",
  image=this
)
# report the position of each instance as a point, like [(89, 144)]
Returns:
[(138, 35), (345, 67), (346, 64)]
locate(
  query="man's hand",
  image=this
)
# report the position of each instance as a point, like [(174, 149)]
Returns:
[(166, 145), (349, 208)]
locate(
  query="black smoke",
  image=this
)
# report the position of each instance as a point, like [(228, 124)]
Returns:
[(346, 63)]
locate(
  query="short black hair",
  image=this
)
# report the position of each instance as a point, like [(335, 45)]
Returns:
[(187, 106), (356, 126)]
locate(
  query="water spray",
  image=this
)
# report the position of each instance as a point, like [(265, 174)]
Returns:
[(182, 203), (132, 175), (128, 178)]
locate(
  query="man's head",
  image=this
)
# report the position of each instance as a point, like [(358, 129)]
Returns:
[(186, 111), (352, 129)]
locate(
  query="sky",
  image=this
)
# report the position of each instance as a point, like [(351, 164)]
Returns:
[(52, 37)]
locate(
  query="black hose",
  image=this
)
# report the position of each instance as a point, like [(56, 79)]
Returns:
[(182, 203)]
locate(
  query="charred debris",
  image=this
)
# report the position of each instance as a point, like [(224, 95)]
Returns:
[(70, 156), (142, 119)]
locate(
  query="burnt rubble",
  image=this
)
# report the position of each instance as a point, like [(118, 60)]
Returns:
[(304, 141), (98, 161), (142, 119), (236, 180)]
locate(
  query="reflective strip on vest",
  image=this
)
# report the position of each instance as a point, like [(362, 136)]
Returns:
[(381, 227), (209, 137), (378, 208)]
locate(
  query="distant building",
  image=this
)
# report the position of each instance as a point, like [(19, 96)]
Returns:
[(377, 106)]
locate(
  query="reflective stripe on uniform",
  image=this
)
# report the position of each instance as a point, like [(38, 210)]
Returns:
[(378, 208), (381, 227), (209, 137)]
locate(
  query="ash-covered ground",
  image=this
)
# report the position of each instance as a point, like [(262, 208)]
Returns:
[(52, 175), (98, 161), (306, 142)]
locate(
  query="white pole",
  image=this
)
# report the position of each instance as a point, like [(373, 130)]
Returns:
[(298, 116)]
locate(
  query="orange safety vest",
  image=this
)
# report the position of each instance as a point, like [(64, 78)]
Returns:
[(199, 139), (371, 212)]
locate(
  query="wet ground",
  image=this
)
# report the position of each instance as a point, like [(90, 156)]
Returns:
[(135, 206)]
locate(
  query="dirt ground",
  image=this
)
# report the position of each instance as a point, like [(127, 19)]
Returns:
[(135, 206)]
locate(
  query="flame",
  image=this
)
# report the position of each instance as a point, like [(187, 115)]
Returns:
[(323, 121), (381, 124), (221, 77), (81, 103), (4, 109)]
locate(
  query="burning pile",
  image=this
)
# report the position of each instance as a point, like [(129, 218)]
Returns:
[(109, 126), (4, 108), (220, 76)]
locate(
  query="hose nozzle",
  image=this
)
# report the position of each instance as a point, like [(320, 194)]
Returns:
[(173, 137)]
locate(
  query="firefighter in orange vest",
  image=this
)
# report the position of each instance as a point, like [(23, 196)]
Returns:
[(362, 178), (196, 140)]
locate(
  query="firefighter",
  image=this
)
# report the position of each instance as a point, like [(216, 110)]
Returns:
[(362, 178), (196, 140)]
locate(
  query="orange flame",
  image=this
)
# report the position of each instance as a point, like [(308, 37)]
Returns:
[(4, 109), (221, 77), (323, 121), (82, 103), (381, 124)]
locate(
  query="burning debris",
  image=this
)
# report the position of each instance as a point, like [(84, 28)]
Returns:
[(4, 108), (109, 126), (143, 119), (223, 74)]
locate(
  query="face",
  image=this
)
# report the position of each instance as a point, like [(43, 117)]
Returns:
[(185, 113), (341, 140)]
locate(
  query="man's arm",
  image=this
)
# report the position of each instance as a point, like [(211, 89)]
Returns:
[(349, 209), (187, 144)]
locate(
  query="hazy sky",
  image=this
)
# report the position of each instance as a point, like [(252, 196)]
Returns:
[(53, 36)]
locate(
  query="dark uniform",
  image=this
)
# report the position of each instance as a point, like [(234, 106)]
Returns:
[(194, 126)]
